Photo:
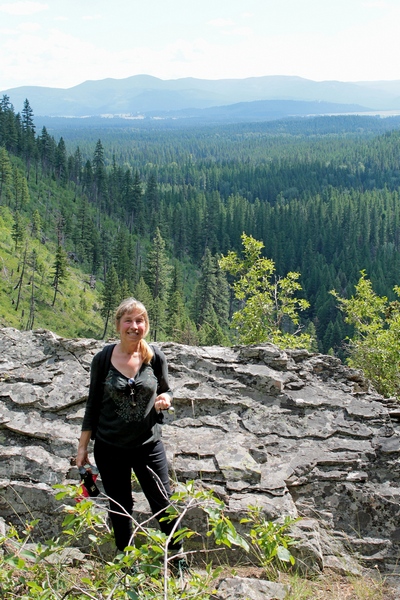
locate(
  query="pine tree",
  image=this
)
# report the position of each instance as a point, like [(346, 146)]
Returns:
[(158, 268), (28, 135), (22, 275), (210, 332), (110, 296), (75, 172), (61, 162), (87, 180), (60, 271), (36, 225), (143, 294), (222, 299), (124, 291), (152, 202), (158, 279), (179, 323), (137, 206), (5, 174), (47, 150), (99, 174), (33, 263), (18, 231), (206, 288), (20, 190), (121, 256)]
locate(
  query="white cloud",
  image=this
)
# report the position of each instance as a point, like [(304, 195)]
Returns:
[(240, 31), (23, 8), (376, 4), (91, 18), (220, 48), (29, 27), (221, 23)]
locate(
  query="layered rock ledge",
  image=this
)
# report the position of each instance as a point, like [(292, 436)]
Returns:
[(293, 432)]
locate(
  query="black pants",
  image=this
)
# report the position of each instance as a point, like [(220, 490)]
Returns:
[(115, 466)]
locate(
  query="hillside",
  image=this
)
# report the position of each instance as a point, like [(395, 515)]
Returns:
[(149, 211), (26, 290)]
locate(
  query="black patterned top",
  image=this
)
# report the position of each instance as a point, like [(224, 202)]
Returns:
[(126, 414)]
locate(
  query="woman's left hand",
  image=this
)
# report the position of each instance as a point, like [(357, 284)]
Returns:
[(162, 402)]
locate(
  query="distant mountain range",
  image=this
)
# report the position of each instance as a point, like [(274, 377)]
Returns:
[(270, 97)]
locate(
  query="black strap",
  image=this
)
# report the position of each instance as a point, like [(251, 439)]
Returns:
[(104, 367), (156, 362), (105, 361)]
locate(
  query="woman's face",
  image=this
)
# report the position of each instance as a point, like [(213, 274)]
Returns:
[(132, 326)]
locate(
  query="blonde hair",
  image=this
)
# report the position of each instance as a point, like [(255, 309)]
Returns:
[(128, 306)]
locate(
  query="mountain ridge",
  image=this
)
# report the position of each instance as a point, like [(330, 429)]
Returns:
[(148, 94)]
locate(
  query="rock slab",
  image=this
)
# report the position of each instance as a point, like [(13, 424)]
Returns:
[(293, 432)]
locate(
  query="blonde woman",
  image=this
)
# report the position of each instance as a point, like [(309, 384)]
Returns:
[(128, 390)]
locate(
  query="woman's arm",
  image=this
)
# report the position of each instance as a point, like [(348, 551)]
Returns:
[(163, 400), (82, 458), (91, 413)]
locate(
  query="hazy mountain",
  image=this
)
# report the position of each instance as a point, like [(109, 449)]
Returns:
[(259, 110), (143, 94)]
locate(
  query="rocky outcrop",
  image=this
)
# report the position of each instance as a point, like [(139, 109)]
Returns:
[(292, 432)]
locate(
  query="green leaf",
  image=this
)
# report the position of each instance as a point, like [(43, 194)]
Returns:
[(16, 561), (28, 554), (283, 554)]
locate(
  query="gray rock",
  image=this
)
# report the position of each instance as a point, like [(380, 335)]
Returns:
[(240, 588), (293, 432)]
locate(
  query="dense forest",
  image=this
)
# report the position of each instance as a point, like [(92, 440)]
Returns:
[(149, 210)]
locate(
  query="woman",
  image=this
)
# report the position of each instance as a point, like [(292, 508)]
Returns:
[(128, 390)]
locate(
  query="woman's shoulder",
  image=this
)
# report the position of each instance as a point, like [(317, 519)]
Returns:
[(103, 355), (158, 354)]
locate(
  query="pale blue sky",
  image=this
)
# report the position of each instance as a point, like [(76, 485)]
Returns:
[(61, 43)]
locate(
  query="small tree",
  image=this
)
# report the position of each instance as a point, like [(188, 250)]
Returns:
[(21, 278), (143, 294), (269, 311), (157, 277), (60, 271), (18, 231), (20, 189), (36, 225), (6, 174), (33, 263), (110, 296), (374, 347)]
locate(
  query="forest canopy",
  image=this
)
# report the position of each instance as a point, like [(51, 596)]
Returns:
[(150, 211)]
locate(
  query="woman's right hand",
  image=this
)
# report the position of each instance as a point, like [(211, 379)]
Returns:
[(82, 458)]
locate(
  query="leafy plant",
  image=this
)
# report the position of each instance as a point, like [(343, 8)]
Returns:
[(270, 541), (270, 310), (144, 570), (374, 347)]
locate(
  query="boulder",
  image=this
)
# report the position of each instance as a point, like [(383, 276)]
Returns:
[(234, 588)]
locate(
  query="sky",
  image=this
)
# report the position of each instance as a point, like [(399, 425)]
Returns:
[(62, 43)]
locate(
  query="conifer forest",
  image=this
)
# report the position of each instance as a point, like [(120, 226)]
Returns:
[(148, 209)]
